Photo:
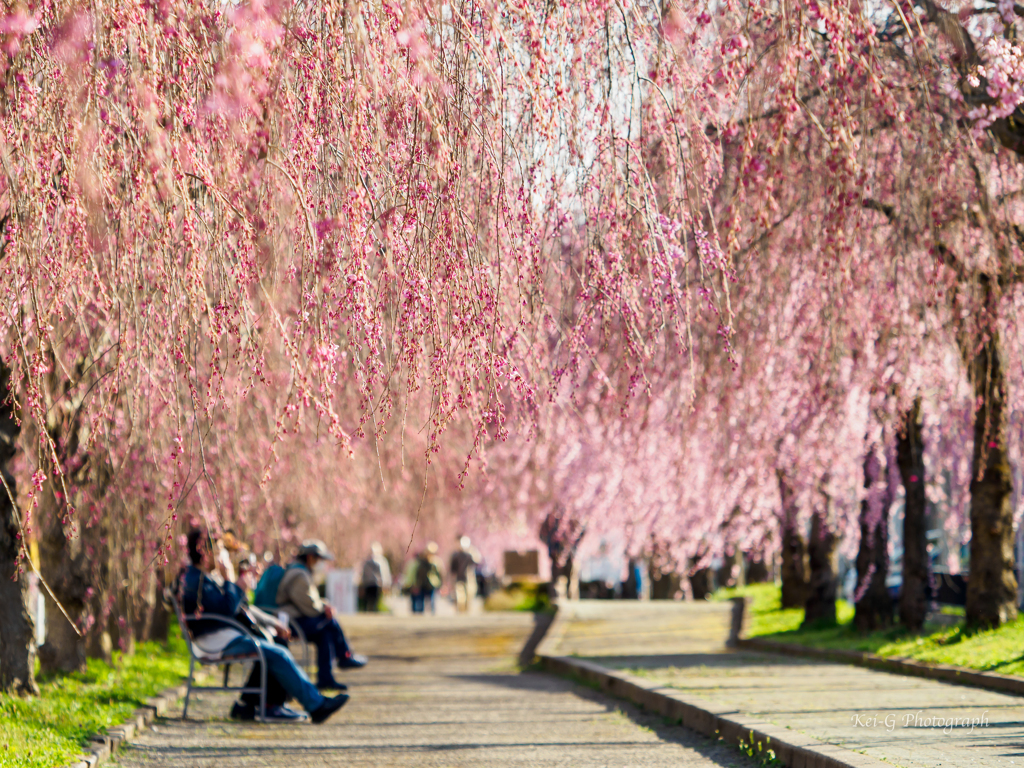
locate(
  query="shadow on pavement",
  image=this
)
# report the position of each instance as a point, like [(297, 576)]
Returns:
[(713, 749)]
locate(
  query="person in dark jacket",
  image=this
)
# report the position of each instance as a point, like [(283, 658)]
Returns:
[(298, 596), (201, 595)]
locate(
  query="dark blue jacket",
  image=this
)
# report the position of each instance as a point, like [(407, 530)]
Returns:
[(215, 599)]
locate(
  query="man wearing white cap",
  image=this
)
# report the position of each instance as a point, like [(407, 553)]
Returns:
[(298, 596)]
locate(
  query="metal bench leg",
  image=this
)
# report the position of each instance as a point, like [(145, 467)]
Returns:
[(188, 687), (263, 690)]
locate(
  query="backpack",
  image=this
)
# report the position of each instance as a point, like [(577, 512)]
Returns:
[(428, 575), (265, 596)]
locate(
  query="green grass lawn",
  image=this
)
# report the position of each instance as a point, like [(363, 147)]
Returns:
[(996, 650), (520, 596), (47, 731)]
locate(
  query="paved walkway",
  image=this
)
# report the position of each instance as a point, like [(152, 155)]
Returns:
[(890, 717), (439, 691)]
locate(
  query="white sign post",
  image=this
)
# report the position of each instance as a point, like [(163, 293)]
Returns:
[(341, 589)]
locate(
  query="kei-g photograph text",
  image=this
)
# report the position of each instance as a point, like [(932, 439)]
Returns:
[(890, 721)]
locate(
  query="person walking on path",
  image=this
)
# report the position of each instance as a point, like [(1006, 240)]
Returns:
[(376, 578), (201, 594), (297, 596), (463, 571), (426, 578)]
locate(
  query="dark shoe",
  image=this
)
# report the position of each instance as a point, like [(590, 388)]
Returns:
[(328, 708), (284, 714), (243, 711), (331, 685), (352, 660)]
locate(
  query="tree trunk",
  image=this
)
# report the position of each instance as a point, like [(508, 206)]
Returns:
[(823, 584), (664, 586), (61, 564), (757, 570), (731, 574), (910, 458), (151, 622), (702, 583), (107, 605), (17, 630), (874, 606), (793, 568), (992, 586)]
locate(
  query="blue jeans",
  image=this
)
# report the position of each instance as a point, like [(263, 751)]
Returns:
[(330, 644), (282, 667), (419, 600)]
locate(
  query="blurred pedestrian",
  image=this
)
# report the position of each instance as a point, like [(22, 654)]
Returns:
[(463, 570), (376, 579), (247, 576), (228, 547), (426, 578)]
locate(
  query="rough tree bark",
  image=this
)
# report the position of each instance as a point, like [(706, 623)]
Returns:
[(17, 630), (151, 615), (77, 563), (64, 561), (61, 562), (992, 586), (793, 568), (823, 583), (159, 622), (873, 604), (910, 458)]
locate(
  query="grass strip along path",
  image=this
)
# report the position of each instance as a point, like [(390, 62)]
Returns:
[(51, 729), (996, 650)]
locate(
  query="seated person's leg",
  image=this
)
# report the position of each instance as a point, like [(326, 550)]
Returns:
[(282, 667), (276, 694), (346, 658), (317, 631)]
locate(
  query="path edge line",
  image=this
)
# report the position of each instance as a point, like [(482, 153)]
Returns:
[(103, 745), (791, 748), (943, 672)]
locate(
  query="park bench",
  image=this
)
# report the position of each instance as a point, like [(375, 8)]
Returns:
[(204, 658), (300, 637)]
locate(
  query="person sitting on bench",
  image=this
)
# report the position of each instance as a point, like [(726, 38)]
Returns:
[(201, 595), (297, 596)]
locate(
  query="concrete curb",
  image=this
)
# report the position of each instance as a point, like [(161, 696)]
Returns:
[(942, 672), (102, 746), (791, 747)]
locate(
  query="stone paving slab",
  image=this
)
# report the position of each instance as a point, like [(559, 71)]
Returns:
[(890, 717), (776, 745), (602, 627), (439, 691)]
